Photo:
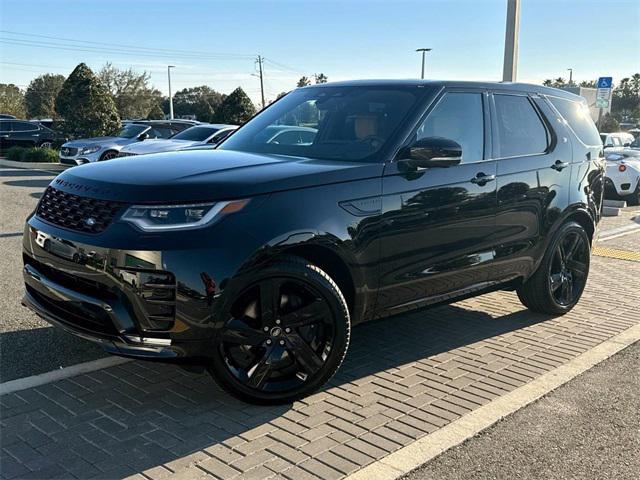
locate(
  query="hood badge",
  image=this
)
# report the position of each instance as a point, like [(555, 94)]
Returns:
[(90, 222)]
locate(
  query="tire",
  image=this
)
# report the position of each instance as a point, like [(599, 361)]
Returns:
[(108, 155), (268, 358), (634, 198), (557, 285)]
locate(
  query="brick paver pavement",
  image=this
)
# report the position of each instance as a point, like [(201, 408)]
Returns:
[(404, 378)]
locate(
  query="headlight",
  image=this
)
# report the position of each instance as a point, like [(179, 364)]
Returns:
[(90, 149), (159, 218)]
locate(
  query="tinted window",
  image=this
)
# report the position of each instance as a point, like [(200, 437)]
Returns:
[(579, 119), (132, 130), (520, 129), (347, 123), (160, 132), (5, 127), (196, 134), (24, 127), (458, 117)]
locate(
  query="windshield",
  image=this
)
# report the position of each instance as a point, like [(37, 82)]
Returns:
[(328, 123), (132, 130), (195, 134)]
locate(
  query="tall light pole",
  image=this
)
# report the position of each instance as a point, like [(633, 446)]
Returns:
[(169, 67), (510, 68), (570, 76), (424, 52)]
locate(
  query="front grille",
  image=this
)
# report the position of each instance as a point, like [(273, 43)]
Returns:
[(68, 151), (73, 212), (126, 154)]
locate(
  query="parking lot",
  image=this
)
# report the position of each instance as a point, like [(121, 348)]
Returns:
[(405, 378)]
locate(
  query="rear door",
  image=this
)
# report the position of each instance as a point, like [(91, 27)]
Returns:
[(534, 158), (438, 221)]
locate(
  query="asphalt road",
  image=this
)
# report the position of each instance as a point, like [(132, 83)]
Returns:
[(28, 345), (588, 428)]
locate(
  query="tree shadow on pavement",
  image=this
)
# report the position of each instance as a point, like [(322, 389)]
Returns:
[(138, 415)]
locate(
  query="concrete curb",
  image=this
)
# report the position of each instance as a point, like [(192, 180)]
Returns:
[(56, 167), (425, 449), (55, 375)]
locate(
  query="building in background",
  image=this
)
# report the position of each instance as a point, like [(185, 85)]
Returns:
[(589, 94)]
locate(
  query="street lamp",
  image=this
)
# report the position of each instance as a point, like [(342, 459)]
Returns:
[(570, 76), (424, 51), (169, 67)]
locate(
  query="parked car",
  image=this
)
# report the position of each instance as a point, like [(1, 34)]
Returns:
[(255, 259), (22, 133), (77, 152), (7, 116), (615, 142), (622, 180), (211, 134), (288, 135)]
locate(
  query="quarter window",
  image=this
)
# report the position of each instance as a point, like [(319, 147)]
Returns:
[(24, 127), (458, 117), (520, 129), (579, 119)]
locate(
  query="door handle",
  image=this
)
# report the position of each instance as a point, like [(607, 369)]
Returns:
[(4, 136), (482, 179), (559, 165)]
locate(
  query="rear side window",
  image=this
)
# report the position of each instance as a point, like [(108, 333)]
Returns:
[(579, 119), (519, 127), (24, 127), (458, 117)]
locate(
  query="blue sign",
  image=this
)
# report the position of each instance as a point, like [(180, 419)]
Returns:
[(605, 82)]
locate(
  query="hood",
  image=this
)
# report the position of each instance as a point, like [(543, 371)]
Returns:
[(203, 175), (157, 146), (102, 141)]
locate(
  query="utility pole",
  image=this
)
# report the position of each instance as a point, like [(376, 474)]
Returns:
[(261, 79), (169, 67), (510, 69), (424, 52), (570, 76)]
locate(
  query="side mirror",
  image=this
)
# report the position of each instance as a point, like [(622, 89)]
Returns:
[(143, 136), (628, 144), (434, 152)]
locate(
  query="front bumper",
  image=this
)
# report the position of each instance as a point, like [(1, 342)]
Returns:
[(144, 304)]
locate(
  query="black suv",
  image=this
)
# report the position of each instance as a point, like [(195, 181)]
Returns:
[(255, 259), (22, 133)]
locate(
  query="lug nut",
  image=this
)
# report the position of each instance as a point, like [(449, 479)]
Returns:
[(269, 342), (282, 342), (266, 329), (278, 322), (287, 330)]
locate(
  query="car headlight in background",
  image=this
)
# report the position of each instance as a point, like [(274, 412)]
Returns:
[(159, 218), (90, 149)]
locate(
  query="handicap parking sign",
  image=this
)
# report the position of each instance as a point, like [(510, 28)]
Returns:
[(605, 82)]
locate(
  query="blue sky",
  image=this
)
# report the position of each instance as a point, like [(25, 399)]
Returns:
[(345, 40)]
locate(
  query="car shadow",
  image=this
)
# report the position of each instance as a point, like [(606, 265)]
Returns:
[(44, 183), (26, 173), (138, 415)]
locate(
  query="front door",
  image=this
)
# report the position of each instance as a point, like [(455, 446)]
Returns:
[(437, 221)]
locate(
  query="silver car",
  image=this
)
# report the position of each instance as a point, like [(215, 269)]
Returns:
[(77, 152), (200, 135)]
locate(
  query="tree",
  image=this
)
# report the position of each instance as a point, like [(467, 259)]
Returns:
[(40, 97), (86, 105), (203, 102), (557, 83), (12, 100), (626, 97), (588, 83), (303, 82), (156, 113), (237, 107), (609, 124), (132, 93), (321, 78)]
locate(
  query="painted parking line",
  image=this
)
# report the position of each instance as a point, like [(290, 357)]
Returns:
[(55, 375), (616, 253), (427, 448)]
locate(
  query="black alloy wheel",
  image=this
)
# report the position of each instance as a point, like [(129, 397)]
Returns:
[(557, 285), (110, 155), (284, 336)]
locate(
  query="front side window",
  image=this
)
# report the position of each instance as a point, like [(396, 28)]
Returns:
[(132, 130), (458, 117), (520, 129), (349, 123), (195, 134), (24, 127), (579, 119), (160, 132)]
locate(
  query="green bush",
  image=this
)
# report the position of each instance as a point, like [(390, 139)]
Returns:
[(43, 155)]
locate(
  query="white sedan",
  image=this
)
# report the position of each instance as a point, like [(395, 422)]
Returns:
[(622, 179)]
